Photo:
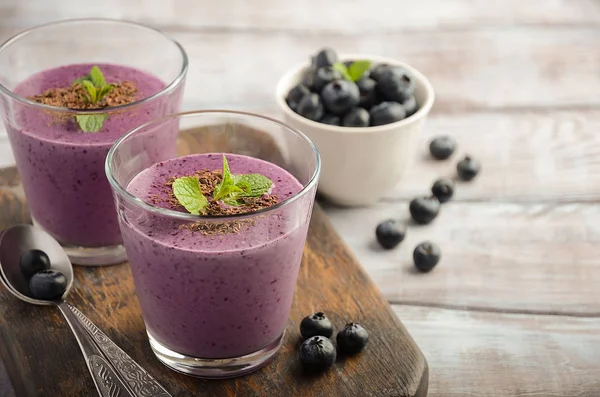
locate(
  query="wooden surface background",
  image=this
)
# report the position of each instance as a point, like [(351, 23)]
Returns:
[(513, 309)]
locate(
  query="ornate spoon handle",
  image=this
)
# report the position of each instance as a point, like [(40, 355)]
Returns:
[(138, 382), (107, 382)]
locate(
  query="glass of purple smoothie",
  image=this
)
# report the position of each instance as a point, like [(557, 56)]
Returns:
[(215, 288), (60, 133)]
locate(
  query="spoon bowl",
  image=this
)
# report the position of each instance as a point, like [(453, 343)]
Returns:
[(22, 238)]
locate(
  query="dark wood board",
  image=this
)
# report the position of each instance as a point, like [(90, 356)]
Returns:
[(42, 357)]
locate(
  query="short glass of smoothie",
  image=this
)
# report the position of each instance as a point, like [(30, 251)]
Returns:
[(214, 229), (68, 91)]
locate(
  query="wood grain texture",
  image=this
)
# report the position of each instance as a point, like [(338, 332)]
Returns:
[(516, 257), (32, 335), (506, 355), (333, 15), (469, 69)]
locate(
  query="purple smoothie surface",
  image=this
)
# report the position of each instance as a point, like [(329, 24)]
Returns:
[(62, 168), (216, 296)]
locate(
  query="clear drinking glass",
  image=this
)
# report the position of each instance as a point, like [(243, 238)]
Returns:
[(215, 304), (61, 167)]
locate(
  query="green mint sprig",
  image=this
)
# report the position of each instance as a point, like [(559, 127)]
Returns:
[(353, 72), (96, 89), (231, 188)]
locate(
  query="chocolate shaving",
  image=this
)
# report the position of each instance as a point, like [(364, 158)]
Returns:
[(75, 97)]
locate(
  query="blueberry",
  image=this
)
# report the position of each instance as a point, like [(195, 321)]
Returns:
[(386, 113), (325, 57), (33, 261), (324, 76), (331, 119), (426, 255), (357, 117), (396, 85), (443, 189), (442, 147), (295, 96), (410, 106), (340, 96), (378, 71), (468, 168), (316, 324), (310, 107), (424, 209), (352, 339), (368, 92), (390, 233), (48, 284), (348, 63), (308, 80), (317, 353)]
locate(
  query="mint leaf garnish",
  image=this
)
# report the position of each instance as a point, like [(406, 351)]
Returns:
[(96, 89), (97, 77), (254, 185), (357, 69), (233, 187), (340, 67), (91, 122), (187, 191)]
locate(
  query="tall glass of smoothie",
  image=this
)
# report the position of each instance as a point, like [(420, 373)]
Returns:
[(214, 229), (68, 91)]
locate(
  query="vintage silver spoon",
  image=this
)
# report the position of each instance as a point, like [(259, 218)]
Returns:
[(115, 374)]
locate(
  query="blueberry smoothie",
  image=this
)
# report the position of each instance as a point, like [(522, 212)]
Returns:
[(223, 287), (62, 167)]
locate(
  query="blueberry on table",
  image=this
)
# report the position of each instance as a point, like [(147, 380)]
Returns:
[(357, 117), (325, 57), (368, 93), (310, 106), (331, 119), (443, 189), (33, 261), (396, 84), (442, 147), (340, 96), (378, 71), (317, 353), (316, 324), (47, 284), (390, 233), (324, 76), (424, 209), (468, 168), (410, 106), (352, 339), (426, 255), (386, 113), (295, 96)]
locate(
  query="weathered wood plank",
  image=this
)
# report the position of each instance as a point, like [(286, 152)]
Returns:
[(338, 15), (489, 68), (524, 257), (506, 355)]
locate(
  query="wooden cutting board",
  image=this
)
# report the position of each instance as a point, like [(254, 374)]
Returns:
[(42, 358)]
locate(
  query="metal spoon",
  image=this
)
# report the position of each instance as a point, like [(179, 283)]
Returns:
[(115, 374)]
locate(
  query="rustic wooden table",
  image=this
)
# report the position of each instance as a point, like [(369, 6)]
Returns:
[(514, 307)]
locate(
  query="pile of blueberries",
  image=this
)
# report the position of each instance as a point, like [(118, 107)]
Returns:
[(317, 352), (423, 210), (353, 93), (44, 283)]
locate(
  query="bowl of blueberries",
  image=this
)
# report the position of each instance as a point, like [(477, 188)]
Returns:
[(363, 113)]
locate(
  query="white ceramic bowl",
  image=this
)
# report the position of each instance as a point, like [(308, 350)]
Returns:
[(360, 164)]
